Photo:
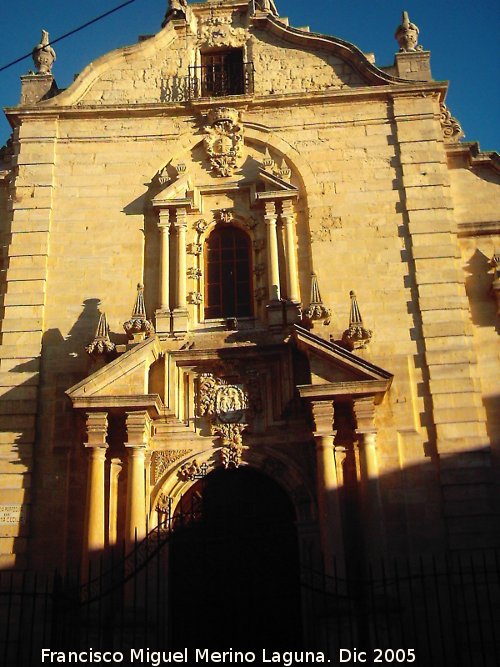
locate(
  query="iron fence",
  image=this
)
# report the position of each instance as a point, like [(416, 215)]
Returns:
[(443, 610)]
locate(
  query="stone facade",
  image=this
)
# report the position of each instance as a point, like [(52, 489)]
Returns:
[(331, 167)]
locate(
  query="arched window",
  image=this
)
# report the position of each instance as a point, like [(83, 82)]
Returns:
[(228, 285)]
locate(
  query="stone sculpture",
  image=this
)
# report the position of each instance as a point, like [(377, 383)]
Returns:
[(44, 55), (407, 35), (177, 9)]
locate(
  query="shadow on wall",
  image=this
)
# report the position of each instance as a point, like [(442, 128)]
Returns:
[(44, 469)]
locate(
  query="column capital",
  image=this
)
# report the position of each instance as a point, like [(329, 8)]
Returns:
[(364, 414), (97, 430), (323, 414), (138, 425), (270, 214), (164, 217), (287, 210), (180, 215)]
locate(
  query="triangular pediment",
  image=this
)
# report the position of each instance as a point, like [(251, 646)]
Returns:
[(336, 371), (274, 183), (124, 382), (178, 192)]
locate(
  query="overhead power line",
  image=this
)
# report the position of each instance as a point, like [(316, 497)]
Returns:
[(71, 32)]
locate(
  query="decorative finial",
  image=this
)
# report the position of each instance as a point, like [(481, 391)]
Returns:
[(138, 326), (268, 162), (101, 344), (176, 9), (316, 310), (267, 6), (356, 337), (44, 55), (407, 35)]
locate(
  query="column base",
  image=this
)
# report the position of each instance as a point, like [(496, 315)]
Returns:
[(293, 312), (275, 315), (163, 321), (180, 321)]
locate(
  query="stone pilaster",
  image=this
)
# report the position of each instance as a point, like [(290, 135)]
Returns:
[(441, 312), (23, 301)]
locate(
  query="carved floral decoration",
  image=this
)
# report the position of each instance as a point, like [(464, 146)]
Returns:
[(163, 460), (192, 470), (224, 140)]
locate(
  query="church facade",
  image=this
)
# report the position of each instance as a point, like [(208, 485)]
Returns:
[(242, 246)]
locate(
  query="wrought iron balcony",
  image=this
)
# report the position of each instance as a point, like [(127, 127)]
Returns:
[(215, 80)]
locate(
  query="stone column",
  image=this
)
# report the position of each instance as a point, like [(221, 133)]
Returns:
[(292, 278), (330, 519), (181, 226), (138, 433), (97, 428), (273, 270), (180, 316), (164, 227), (364, 413)]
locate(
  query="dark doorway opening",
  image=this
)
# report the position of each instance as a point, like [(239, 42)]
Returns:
[(234, 566)]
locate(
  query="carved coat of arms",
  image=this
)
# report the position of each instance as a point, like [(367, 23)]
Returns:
[(227, 406), (224, 140)]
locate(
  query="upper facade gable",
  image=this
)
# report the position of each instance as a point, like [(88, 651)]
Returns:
[(221, 49)]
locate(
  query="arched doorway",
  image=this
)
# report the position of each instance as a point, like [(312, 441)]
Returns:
[(234, 568)]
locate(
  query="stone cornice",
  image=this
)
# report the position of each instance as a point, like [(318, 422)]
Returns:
[(343, 388), (473, 155), (151, 403), (250, 103)]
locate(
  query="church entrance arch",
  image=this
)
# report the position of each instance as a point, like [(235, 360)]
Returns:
[(234, 565)]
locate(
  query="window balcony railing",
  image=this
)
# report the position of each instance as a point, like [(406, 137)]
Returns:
[(219, 81)]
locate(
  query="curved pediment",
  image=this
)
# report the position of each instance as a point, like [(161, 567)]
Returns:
[(169, 67), (347, 53)]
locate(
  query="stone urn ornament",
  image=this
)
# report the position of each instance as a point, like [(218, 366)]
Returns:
[(407, 35), (44, 55)]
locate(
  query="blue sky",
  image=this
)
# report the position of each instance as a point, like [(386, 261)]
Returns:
[(462, 37)]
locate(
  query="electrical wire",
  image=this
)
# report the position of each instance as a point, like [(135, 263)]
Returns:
[(71, 32)]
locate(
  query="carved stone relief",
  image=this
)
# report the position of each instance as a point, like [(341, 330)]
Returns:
[(229, 407), (217, 31), (162, 461), (223, 140), (192, 470), (452, 130)]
